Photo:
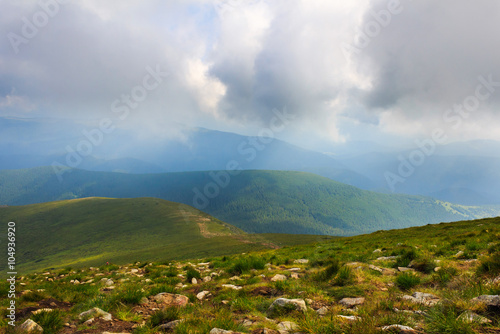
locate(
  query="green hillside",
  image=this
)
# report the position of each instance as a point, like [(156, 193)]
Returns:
[(93, 231), (255, 201)]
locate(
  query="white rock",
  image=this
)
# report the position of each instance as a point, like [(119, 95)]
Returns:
[(301, 261), (29, 326), (348, 317), (278, 277), (202, 295), (231, 286), (96, 312), (299, 304)]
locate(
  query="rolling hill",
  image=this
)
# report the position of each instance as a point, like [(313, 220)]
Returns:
[(254, 201), (93, 231)]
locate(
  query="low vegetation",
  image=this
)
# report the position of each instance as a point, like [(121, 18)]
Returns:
[(416, 277)]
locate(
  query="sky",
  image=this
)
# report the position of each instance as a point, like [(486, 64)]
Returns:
[(382, 71)]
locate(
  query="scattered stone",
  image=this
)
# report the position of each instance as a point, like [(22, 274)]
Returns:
[(387, 258), (460, 253), (322, 311), (29, 326), (220, 331), (134, 271), (301, 261), (426, 299), (294, 269), (437, 269), (89, 322), (399, 329), (287, 327), (471, 317), (348, 317), (194, 280), (96, 312), (403, 269), (247, 322), (171, 299), (143, 301), (377, 251), (109, 282), (231, 286), (207, 279), (351, 302), (298, 304), (202, 295), (42, 310), (170, 325), (295, 276), (235, 278), (278, 277), (489, 300)]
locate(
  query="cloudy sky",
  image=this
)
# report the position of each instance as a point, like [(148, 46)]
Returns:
[(385, 71)]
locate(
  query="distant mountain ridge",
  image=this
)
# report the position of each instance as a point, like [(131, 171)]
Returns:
[(255, 201)]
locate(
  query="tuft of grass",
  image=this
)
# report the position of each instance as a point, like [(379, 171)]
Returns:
[(444, 320), (424, 265), (445, 275), (130, 295), (407, 280), (164, 315), (345, 276), (192, 273), (329, 272), (405, 257), (50, 321), (490, 265), (245, 264)]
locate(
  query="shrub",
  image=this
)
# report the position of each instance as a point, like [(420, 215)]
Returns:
[(407, 280)]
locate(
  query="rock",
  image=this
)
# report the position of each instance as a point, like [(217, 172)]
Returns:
[(29, 326), (399, 329), (202, 295), (96, 313), (278, 277), (387, 258), (42, 310), (322, 311), (437, 269), (426, 299), (108, 288), (76, 282), (247, 323), (207, 279), (109, 282), (372, 267), (295, 276), (351, 302), (348, 317), (170, 299), (89, 322), (287, 327), (297, 304), (489, 300), (264, 331), (143, 301), (220, 331), (170, 325), (471, 317), (194, 280), (231, 286), (235, 278), (460, 253), (301, 261), (403, 269), (294, 269), (134, 271), (377, 251)]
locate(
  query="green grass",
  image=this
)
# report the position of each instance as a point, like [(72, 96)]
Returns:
[(407, 280), (51, 322), (72, 233), (255, 201)]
